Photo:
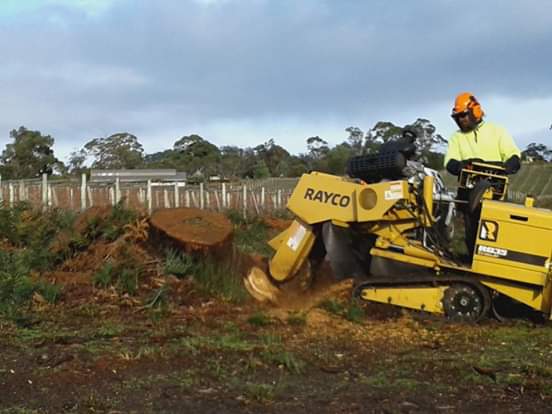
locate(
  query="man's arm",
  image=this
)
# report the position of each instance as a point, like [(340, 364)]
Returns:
[(452, 161), (453, 151), (509, 152), (507, 146)]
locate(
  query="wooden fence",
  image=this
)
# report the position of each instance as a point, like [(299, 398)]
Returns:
[(255, 197)]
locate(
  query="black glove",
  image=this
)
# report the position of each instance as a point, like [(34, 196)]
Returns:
[(512, 165), (455, 167)]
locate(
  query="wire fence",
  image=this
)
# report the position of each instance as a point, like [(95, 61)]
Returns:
[(251, 197)]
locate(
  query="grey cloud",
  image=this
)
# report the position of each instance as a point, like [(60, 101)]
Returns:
[(247, 59)]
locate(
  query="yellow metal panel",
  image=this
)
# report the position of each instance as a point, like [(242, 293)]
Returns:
[(537, 217), (523, 239), (423, 298), (388, 194), (547, 295), (320, 197), (504, 269), (403, 258), (276, 241), (428, 201), (531, 297), (292, 252)]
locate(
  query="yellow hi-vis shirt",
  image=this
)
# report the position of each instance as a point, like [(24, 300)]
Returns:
[(488, 141)]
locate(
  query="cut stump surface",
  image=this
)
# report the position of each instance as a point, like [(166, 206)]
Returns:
[(192, 229)]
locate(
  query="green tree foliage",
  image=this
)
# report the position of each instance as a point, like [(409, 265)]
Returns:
[(162, 159), (296, 166), (337, 158), (355, 139), (275, 157), (536, 152), (381, 133), (76, 162), (316, 158), (29, 155), (428, 141), (318, 148), (260, 170), (196, 155), (121, 150), (231, 158)]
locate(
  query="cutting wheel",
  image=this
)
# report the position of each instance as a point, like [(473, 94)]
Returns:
[(265, 289)]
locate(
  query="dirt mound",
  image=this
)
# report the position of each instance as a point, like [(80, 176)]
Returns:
[(93, 213), (193, 230), (277, 223)]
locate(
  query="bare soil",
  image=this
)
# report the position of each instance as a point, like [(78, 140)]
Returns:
[(172, 348)]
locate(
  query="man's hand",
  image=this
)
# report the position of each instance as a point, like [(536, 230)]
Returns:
[(455, 167), (512, 165)]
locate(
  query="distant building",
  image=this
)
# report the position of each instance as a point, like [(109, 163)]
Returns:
[(109, 176)]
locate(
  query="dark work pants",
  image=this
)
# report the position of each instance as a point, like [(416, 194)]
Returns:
[(471, 222)]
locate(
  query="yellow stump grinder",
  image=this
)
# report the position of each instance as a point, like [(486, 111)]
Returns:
[(388, 225)]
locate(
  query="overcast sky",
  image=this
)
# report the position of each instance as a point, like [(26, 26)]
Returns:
[(239, 72)]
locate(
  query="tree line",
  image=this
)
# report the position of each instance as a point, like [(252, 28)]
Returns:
[(30, 154)]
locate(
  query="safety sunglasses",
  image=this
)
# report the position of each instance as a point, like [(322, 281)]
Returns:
[(458, 115)]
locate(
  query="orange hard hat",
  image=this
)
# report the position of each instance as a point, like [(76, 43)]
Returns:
[(466, 102)]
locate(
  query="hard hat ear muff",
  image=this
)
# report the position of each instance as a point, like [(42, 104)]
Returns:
[(475, 107)]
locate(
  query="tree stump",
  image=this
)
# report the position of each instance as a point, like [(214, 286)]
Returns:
[(193, 230)]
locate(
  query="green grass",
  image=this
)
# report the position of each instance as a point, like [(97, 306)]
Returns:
[(110, 329), (124, 273), (17, 286), (515, 354), (222, 279), (259, 319), (261, 392), (297, 319), (177, 263), (252, 238), (198, 343), (284, 359), (348, 310), (37, 241)]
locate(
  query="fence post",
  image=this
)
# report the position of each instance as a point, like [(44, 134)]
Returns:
[(201, 195), (262, 198), (244, 201), (176, 196), (166, 202), (21, 190), (148, 197), (11, 194), (279, 197), (83, 192), (187, 198), (52, 196), (90, 196), (117, 190), (223, 195), (111, 193), (44, 191)]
